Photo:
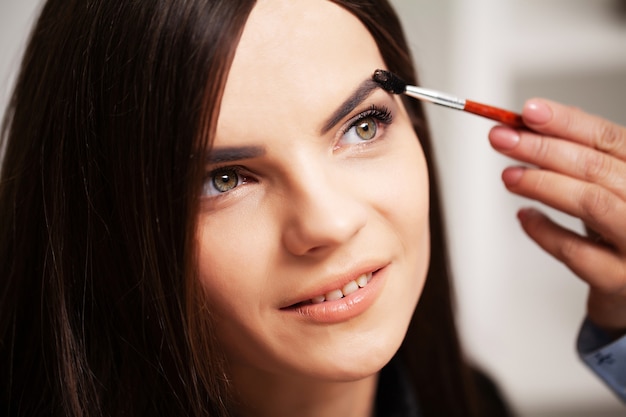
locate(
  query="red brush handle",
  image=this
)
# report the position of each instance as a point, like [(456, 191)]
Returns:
[(494, 113)]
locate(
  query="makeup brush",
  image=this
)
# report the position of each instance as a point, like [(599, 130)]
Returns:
[(394, 84)]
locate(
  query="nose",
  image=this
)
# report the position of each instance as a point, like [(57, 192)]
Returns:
[(323, 213)]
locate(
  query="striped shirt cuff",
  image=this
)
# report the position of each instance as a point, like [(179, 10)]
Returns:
[(606, 357)]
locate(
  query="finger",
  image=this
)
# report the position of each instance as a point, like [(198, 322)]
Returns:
[(573, 124), (599, 208), (559, 155), (598, 265)]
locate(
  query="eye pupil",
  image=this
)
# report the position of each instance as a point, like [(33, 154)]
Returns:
[(366, 129), (225, 180)]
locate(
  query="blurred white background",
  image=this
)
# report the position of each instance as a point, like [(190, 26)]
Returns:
[(519, 310)]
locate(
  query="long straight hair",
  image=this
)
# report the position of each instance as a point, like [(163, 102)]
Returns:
[(97, 208), (113, 112)]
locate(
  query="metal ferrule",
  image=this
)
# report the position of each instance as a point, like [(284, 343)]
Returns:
[(435, 97)]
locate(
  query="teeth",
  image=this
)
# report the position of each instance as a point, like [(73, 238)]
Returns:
[(318, 299), (363, 280), (347, 289), (334, 295)]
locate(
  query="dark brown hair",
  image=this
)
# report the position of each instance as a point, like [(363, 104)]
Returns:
[(105, 135)]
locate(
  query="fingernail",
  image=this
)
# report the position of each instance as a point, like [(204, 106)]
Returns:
[(537, 112), (503, 138), (512, 175), (527, 213)]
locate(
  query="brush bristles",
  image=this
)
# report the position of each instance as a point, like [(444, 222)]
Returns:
[(389, 81)]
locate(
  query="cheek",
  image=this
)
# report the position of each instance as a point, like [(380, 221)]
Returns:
[(403, 189), (222, 271), (405, 205), (411, 215)]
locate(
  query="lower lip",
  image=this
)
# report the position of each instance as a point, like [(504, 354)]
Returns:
[(345, 308)]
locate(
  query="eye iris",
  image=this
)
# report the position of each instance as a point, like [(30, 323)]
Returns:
[(366, 129), (225, 180)]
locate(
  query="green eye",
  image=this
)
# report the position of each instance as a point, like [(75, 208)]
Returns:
[(224, 180), (367, 126), (366, 129)]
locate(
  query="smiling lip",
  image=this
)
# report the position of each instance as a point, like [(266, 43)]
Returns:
[(344, 303)]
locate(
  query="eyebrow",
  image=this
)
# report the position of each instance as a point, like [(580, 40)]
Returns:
[(230, 154), (357, 97)]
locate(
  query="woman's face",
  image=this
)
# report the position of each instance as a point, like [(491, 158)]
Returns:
[(317, 184)]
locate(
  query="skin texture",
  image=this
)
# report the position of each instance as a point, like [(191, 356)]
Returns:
[(578, 166), (315, 206)]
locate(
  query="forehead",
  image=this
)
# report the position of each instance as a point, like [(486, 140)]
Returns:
[(292, 54)]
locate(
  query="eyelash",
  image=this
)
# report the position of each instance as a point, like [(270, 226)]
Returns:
[(380, 113)]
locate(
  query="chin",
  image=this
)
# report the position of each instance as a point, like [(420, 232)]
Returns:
[(365, 356)]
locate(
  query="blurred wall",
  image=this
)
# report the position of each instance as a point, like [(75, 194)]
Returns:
[(519, 310), (15, 19)]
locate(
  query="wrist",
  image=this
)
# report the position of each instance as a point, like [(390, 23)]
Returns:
[(608, 313)]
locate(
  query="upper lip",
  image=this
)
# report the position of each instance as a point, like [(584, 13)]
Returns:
[(336, 281)]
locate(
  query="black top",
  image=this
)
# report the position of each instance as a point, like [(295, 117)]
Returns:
[(395, 396)]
